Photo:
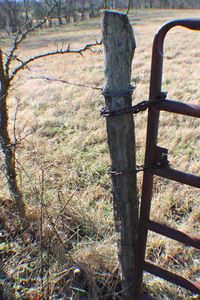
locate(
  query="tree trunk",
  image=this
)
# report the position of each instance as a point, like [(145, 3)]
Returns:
[(82, 12), (72, 8), (59, 12), (28, 20), (8, 149), (91, 9), (131, 4), (67, 18), (106, 4), (13, 21), (50, 23), (119, 44)]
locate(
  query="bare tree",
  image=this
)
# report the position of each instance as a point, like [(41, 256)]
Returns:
[(28, 18), (66, 11), (70, 10), (11, 9), (83, 9), (92, 13), (2, 20), (49, 4), (13, 13), (106, 4), (7, 75), (72, 4), (59, 12)]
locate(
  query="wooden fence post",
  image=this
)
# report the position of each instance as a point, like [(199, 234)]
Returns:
[(119, 45)]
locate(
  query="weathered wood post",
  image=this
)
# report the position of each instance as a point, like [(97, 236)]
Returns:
[(119, 45)]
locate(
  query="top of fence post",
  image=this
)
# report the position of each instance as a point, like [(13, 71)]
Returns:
[(119, 44)]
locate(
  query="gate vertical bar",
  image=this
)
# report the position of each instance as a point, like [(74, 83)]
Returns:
[(151, 142)]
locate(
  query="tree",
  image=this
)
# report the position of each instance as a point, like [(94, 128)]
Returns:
[(12, 12), (49, 4), (149, 3), (66, 11), (2, 20), (59, 12), (164, 3), (7, 75), (69, 10), (106, 4), (28, 19), (91, 8), (73, 9)]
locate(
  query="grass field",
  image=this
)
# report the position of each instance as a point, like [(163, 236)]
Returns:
[(63, 162)]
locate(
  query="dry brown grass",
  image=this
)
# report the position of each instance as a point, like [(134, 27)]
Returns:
[(68, 145)]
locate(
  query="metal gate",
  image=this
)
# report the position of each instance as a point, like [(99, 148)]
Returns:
[(157, 156)]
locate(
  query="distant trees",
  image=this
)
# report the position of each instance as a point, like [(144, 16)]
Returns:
[(10, 12), (14, 14), (92, 8)]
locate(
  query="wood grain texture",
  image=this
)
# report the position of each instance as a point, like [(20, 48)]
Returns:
[(119, 45)]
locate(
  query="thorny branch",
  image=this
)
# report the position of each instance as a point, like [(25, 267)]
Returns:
[(6, 76), (20, 37), (19, 60), (61, 51)]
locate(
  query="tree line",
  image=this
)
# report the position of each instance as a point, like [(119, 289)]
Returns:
[(15, 14)]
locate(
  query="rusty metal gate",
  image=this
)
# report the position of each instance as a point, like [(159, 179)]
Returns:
[(157, 156)]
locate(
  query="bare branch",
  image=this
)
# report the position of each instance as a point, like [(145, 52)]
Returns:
[(30, 179), (67, 82), (19, 60), (21, 36), (15, 121), (65, 205), (19, 140), (53, 225), (61, 51)]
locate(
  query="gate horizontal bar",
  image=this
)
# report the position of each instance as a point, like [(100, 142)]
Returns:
[(174, 234), (179, 108), (178, 176), (194, 287)]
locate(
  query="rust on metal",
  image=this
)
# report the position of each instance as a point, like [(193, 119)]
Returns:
[(194, 287), (179, 108), (154, 153), (174, 234), (178, 176)]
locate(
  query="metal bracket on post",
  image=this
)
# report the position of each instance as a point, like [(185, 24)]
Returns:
[(161, 155)]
